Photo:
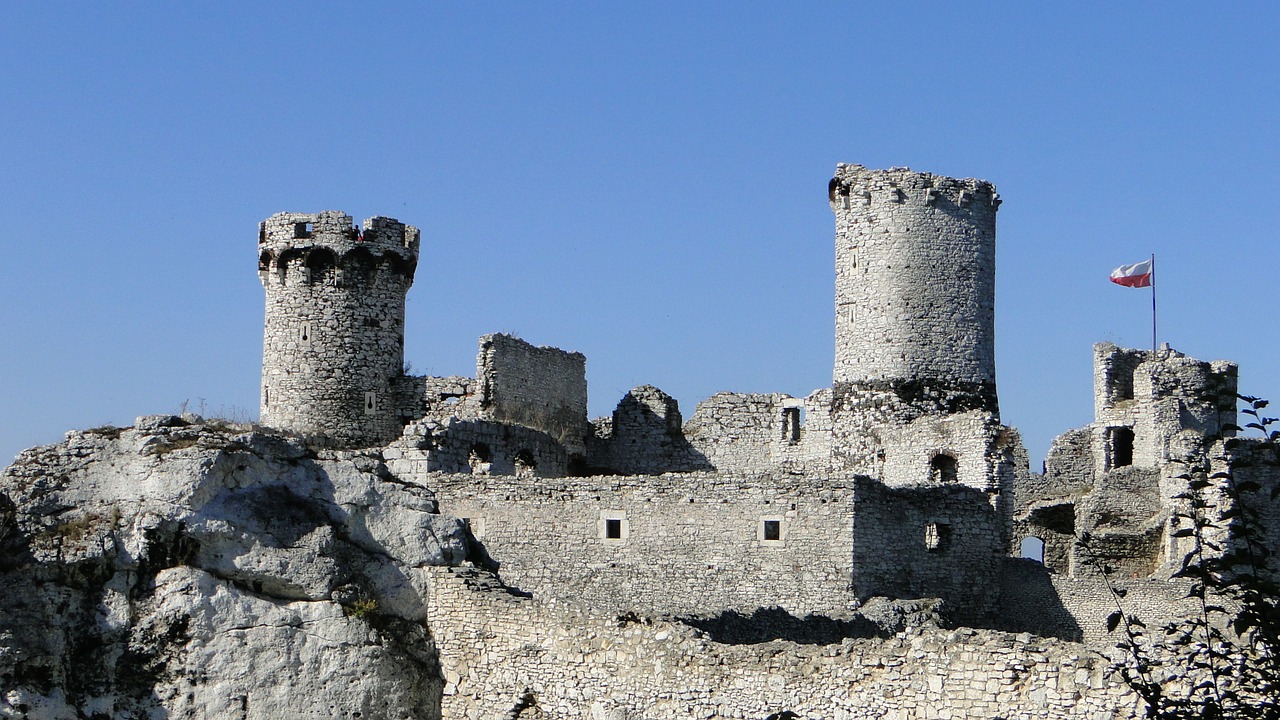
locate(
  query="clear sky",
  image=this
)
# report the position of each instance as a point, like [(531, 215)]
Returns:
[(644, 183)]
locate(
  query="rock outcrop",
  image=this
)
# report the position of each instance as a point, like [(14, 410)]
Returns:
[(184, 569)]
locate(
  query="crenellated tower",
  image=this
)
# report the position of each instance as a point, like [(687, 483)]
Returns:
[(915, 298), (333, 339)]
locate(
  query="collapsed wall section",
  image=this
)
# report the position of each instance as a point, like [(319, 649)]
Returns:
[(543, 388)]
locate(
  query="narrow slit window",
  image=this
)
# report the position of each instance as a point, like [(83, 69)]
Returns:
[(791, 424), (370, 403), (304, 333)]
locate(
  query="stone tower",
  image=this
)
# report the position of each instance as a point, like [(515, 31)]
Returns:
[(333, 340), (915, 297)]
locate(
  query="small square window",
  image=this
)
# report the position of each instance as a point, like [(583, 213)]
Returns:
[(613, 527), (769, 531), (772, 529)]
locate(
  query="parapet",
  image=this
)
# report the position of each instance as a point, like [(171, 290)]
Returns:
[(337, 232), (856, 183)]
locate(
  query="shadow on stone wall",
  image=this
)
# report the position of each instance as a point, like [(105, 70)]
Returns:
[(1028, 602), (766, 624)]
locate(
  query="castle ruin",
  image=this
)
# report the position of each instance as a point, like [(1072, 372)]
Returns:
[(898, 481)]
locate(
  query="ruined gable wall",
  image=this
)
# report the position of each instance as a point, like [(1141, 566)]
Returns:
[(691, 544), (498, 651), (543, 388), (643, 436), (736, 431), (1158, 394)]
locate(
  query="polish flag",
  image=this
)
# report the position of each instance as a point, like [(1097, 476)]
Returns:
[(1136, 275)]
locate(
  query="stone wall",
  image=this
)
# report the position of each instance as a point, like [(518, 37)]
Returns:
[(644, 436), (687, 544), (472, 445), (543, 388), (942, 541), (333, 339), (508, 656)]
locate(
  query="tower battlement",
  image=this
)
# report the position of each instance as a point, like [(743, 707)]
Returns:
[(858, 184)]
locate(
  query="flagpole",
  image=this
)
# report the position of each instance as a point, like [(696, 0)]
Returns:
[(1153, 302)]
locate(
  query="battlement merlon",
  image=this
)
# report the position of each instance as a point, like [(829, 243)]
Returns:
[(336, 231), (858, 183)]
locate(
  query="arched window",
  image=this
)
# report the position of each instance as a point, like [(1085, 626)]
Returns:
[(359, 267), (480, 458), (525, 464), (1033, 549), (943, 468)]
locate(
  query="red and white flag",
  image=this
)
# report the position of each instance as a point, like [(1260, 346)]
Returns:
[(1137, 275)]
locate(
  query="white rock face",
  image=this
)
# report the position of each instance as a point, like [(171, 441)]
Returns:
[(183, 570)]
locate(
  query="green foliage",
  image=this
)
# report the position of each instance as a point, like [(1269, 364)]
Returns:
[(363, 607), (1223, 661)]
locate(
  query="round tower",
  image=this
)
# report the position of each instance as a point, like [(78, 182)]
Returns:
[(915, 291), (333, 340)]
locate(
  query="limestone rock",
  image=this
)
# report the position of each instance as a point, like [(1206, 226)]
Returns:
[(187, 569)]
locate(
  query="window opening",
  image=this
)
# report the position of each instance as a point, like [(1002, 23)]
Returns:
[(302, 230), (479, 458), (791, 424), (1033, 549), (613, 528), (936, 537), (1120, 447), (772, 529), (304, 333), (525, 464), (370, 403), (943, 468), (1121, 381)]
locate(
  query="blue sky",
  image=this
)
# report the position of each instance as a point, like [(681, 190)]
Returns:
[(642, 183)]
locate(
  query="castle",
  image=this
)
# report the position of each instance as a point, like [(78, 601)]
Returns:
[(898, 481)]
